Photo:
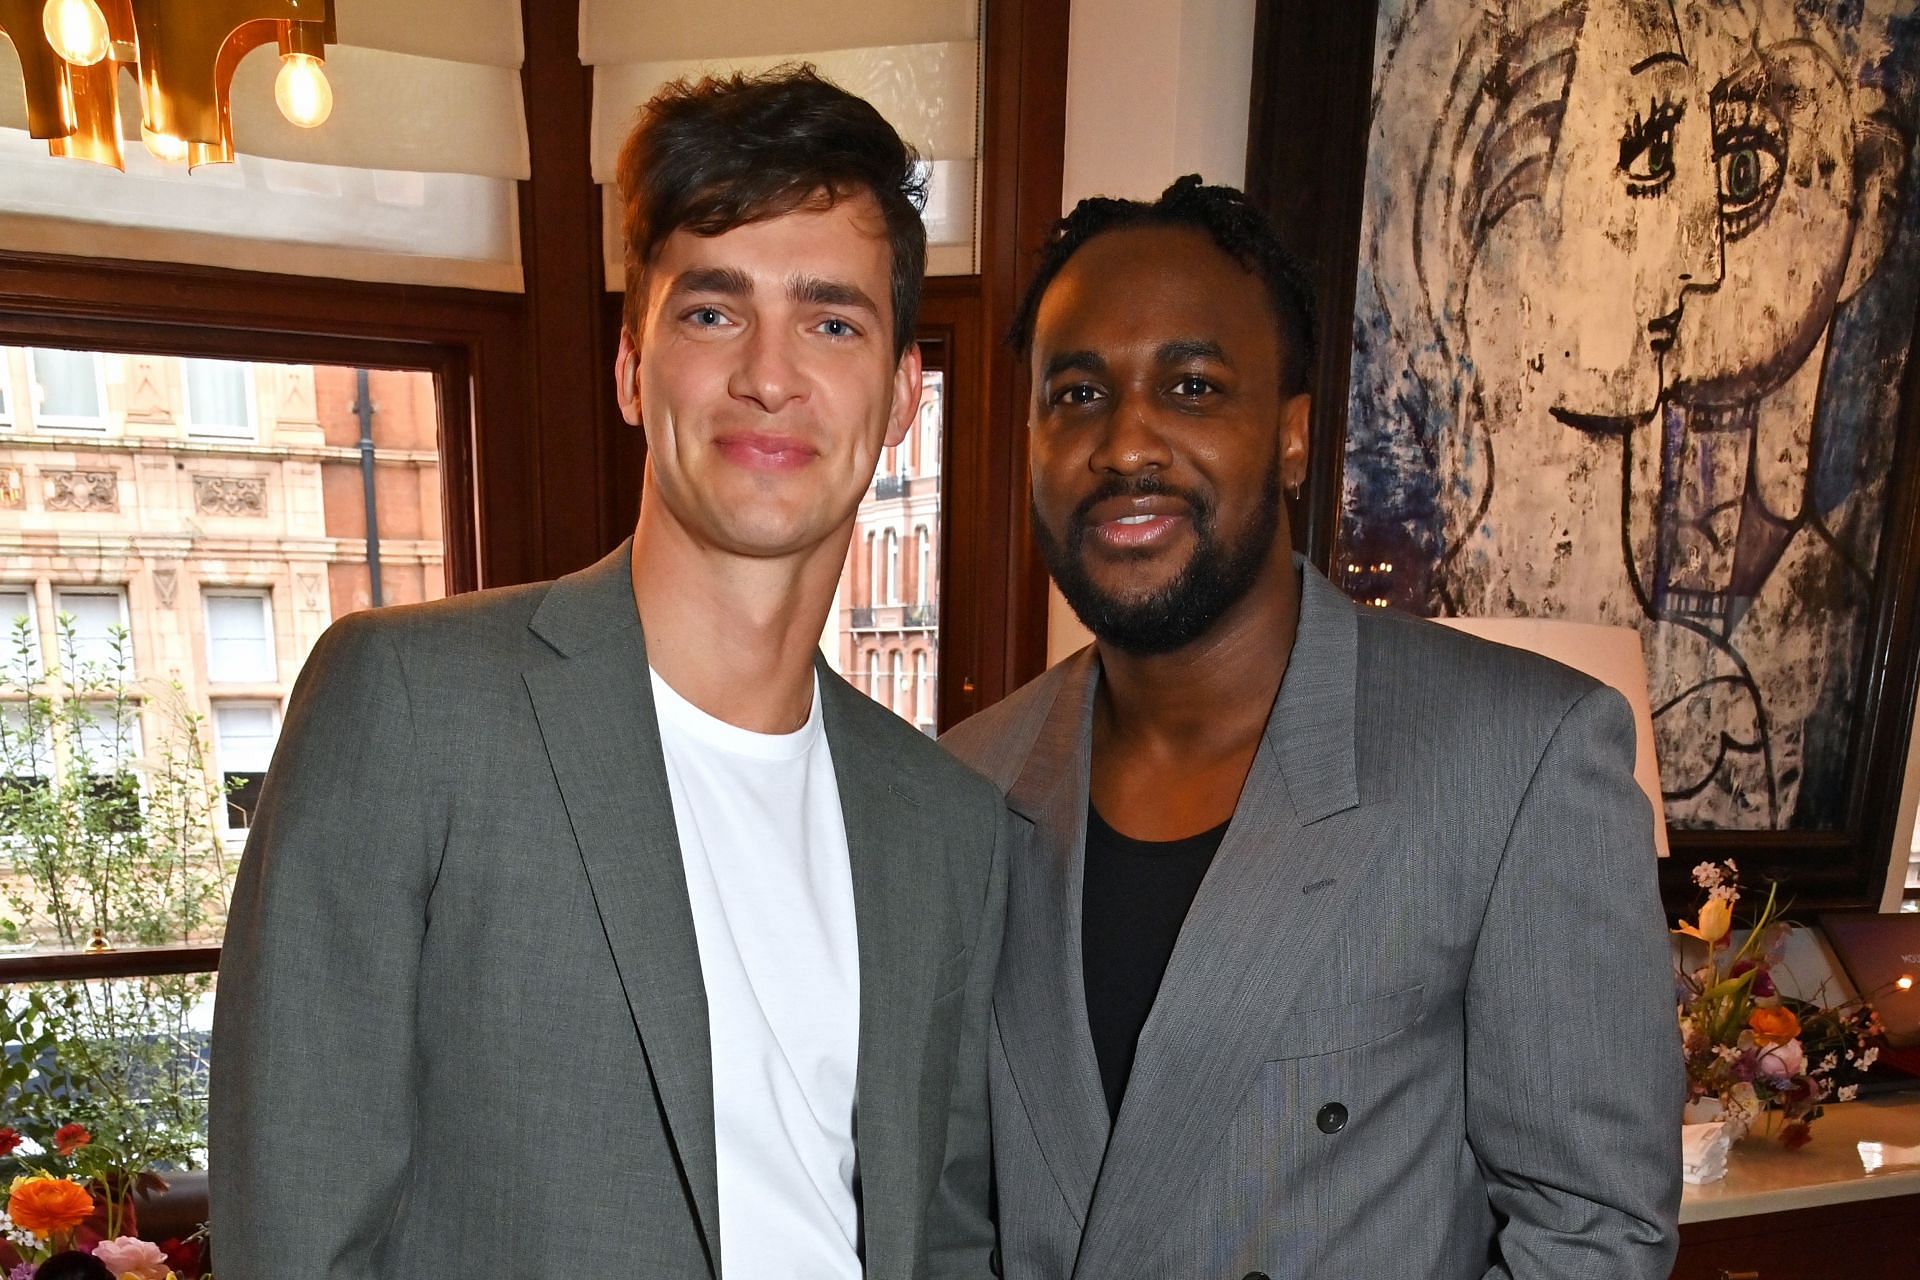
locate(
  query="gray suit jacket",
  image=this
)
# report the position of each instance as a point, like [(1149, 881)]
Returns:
[(1419, 1022), (461, 1028)]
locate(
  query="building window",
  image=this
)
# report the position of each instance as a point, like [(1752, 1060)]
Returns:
[(240, 638), (68, 390), (876, 568), (933, 386), (100, 642), (244, 734), (895, 685), (872, 677), (218, 396), (20, 646), (6, 391), (925, 565), (893, 567), (26, 753), (922, 692)]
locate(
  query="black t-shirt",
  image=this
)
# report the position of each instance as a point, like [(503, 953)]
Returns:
[(1134, 900)]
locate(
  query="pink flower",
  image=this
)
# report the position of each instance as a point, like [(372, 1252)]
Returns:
[(1783, 1061), (127, 1257)]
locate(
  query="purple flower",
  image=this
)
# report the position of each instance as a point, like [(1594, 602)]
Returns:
[(22, 1272), (1762, 986)]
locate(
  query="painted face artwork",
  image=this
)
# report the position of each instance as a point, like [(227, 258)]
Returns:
[(1597, 373)]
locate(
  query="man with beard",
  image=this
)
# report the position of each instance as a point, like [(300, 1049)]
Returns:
[(1335, 947)]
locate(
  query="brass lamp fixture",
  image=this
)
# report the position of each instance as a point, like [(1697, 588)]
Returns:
[(183, 54)]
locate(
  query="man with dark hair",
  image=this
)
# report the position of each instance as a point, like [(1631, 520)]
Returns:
[(597, 928), (1334, 946)]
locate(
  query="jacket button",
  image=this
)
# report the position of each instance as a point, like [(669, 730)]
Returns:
[(1255, 1275), (1332, 1118)]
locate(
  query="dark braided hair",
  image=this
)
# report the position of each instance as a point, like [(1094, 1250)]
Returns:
[(1241, 231)]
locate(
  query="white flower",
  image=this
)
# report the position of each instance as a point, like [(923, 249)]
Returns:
[(1706, 875), (1828, 1063), (1870, 1057), (1848, 1092)]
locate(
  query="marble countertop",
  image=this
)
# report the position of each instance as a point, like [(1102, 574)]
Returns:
[(1865, 1150)]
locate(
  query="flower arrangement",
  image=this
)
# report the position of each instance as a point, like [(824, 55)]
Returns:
[(65, 1205), (1749, 1049)]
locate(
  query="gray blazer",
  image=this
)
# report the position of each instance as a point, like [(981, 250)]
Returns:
[(1419, 1022), (461, 1028)]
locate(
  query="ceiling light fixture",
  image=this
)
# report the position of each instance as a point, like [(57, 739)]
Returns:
[(183, 57)]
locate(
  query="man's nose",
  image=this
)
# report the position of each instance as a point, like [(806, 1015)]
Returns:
[(769, 373), (1130, 440)]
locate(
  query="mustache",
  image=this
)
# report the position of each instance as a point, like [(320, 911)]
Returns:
[(1079, 519)]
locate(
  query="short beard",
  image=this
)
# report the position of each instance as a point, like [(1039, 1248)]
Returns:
[(1217, 577)]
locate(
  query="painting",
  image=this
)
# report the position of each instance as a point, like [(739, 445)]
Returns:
[(1634, 294)]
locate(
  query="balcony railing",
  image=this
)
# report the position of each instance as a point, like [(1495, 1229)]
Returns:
[(890, 486), (893, 617)]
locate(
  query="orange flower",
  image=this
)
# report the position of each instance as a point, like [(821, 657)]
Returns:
[(48, 1206), (1773, 1026), (69, 1138)]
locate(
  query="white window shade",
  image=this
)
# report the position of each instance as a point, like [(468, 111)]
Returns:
[(95, 614), (219, 398), (917, 61), (245, 734), (617, 31), (239, 640), (19, 655), (412, 179)]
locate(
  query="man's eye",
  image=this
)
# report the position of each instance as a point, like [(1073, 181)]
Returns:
[(1078, 393), (706, 317), (835, 327), (1193, 385)]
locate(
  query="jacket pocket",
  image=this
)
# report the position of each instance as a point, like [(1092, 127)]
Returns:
[(1309, 1033)]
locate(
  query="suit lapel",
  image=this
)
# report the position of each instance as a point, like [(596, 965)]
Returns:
[(1294, 856), (1040, 999), (596, 714), (889, 847)]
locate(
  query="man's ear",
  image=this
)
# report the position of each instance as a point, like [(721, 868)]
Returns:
[(906, 396), (626, 379), (1296, 417), (1879, 169)]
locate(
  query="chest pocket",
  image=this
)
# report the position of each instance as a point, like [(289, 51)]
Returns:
[(1310, 1033)]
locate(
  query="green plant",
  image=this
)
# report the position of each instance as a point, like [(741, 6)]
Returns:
[(106, 847)]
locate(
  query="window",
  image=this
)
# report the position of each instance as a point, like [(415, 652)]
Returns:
[(218, 398), (26, 751), (893, 568), (244, 734), (100, 640), (20, 645), (6, 393), (922, 693), (108, 748), (68, 389), (240, 639), (870, 674), (896, 686), (876, 568), (927, 428), (925, 575)]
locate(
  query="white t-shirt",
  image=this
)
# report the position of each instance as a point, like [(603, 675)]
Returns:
[(765, 849)]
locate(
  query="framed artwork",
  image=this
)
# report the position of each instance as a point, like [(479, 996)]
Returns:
[(1618, 309)]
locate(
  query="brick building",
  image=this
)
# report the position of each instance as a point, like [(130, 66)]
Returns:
[(218, 511)]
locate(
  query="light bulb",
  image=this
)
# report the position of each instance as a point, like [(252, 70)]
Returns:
[(163, 146), (77, 30), (301, 89)]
